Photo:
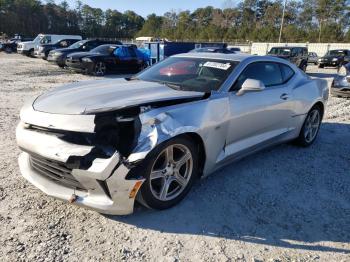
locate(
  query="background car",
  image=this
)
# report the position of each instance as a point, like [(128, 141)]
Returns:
[(105, 144), (108, 58), (294, 54), (59, 56), (313, 58), (335, 58), (10, 46), (27, 48), (43, 50), (341, 83)]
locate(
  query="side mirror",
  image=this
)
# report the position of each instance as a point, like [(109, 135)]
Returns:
[(251, 85)]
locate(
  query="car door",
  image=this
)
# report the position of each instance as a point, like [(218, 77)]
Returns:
[(259, 118)]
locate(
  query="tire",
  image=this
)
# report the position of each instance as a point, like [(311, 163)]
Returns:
[(316, 63), (8, 50), (154, 193), (311, 127), (100, 69), (31, 53), (320, 66)]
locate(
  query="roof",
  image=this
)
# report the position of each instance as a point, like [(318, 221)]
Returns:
[(231, 57)]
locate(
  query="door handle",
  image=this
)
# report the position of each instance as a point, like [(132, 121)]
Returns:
[(284, 96)]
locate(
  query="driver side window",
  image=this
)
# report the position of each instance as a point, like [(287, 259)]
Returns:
[(64, 43), (267, 72)]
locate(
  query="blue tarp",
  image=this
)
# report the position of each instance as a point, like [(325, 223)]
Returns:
[(123, 52)]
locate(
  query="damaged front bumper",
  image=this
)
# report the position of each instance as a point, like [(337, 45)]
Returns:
[(103, 186)]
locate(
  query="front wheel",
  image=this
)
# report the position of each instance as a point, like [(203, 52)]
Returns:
[(310, 127), (100, 69), (170, 170)]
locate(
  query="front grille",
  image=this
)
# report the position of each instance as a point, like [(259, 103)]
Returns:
[(56, 171)]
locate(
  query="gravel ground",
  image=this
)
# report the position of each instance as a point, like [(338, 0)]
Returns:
[(282, 204)]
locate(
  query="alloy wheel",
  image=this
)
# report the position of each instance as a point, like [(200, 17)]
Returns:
[(312, 124), (100, 69), (171, 172)]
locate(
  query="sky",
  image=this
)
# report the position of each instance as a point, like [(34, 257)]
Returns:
[(146, 7)]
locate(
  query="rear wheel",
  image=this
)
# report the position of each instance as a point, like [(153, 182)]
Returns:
[(31, 53), (100, 69), (170, 170), (310, 127)]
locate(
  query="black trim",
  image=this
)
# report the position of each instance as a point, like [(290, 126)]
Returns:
[(279, 66)]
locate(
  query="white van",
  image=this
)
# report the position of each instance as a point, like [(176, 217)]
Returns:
[(27, 48)]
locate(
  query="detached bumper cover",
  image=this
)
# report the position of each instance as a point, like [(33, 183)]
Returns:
[(102, 187)]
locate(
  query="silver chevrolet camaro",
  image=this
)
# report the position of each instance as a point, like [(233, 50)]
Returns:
[(104, 144)]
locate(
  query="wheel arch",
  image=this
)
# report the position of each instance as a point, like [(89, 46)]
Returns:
[(321, 106), (200, 147)]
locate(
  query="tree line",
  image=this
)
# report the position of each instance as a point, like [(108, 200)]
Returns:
[(250, 20)]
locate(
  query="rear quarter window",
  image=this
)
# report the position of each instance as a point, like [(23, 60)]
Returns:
[(287, 73)]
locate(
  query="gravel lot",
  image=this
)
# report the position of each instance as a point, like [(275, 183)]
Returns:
[(282, 204)]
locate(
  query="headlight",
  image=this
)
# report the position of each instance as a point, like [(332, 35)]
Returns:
[(86, 59), (56, 53), (335, 59), (320, 59)]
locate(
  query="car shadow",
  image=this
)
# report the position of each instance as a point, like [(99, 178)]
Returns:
[(284, 196)]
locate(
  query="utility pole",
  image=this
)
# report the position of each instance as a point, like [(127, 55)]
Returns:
[(281, 29), (320, 32)]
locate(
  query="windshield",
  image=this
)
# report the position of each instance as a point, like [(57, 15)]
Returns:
[(46, 40), (103, 49), (37, 39), (336, 52), (190, 74), (279, 51), (77, 44)]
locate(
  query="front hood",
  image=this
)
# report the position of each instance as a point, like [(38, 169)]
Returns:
[(106, 95), (27, 42)]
